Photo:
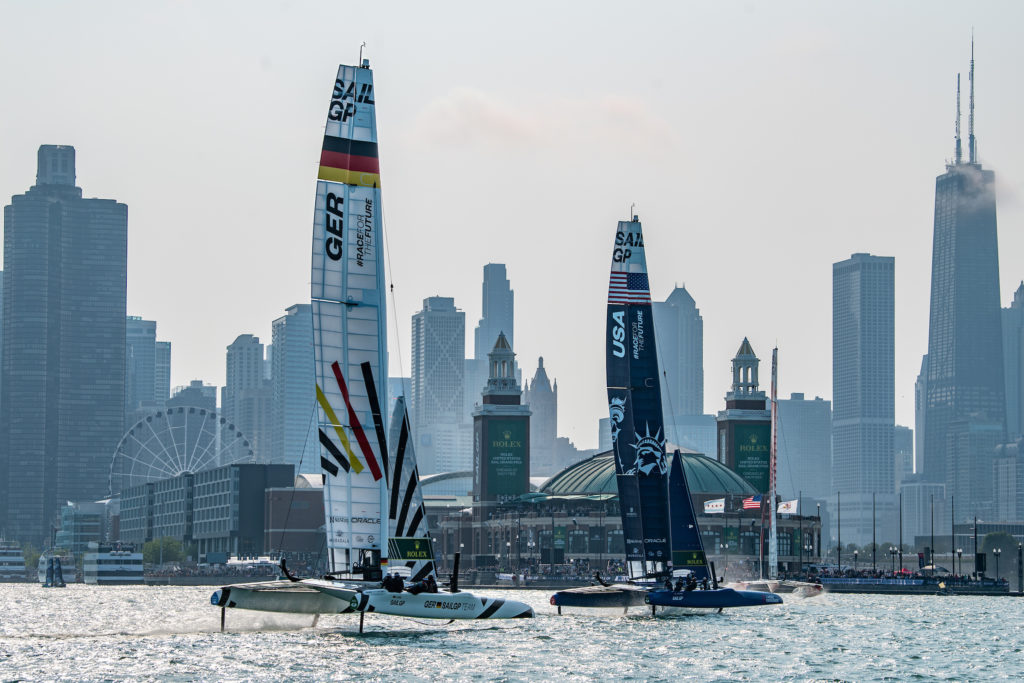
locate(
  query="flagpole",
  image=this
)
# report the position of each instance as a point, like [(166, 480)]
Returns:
[(800, 511)]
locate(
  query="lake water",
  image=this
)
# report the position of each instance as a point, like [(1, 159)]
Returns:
[(173, 633)]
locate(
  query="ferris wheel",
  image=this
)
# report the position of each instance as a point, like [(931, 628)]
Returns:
[(175, 441)]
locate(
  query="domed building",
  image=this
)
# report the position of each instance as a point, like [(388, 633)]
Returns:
[(571, 525)]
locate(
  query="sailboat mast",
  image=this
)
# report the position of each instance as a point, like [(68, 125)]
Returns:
[(773, 537)]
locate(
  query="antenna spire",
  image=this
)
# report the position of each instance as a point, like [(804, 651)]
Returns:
[(959, 153), (972, 144)]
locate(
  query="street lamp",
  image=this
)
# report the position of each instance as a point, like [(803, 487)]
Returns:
[(997, 552), (960, 557), (855, 553), (892, 558), (508, 553)]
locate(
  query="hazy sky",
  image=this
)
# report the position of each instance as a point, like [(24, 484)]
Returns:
[(760, 142)]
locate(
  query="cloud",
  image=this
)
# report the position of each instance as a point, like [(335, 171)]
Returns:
[(465, 117)]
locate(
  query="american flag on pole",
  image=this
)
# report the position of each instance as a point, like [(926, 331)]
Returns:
[(752, 503), (628, 288)]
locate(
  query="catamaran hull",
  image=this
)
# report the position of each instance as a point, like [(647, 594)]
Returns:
[(440, 605), (596, 597), (280, 596), (796, 589), (701, 600)]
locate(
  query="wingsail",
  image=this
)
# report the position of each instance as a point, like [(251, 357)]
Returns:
[(634, 405), (349, 326)]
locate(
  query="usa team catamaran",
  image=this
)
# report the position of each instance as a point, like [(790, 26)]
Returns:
[(375, 518), (660, 530)]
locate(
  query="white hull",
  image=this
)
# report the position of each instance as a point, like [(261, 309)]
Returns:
[(796, 589), (282, 596), (440, 605)]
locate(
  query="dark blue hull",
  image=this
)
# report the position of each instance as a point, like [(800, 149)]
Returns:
[(711, 599), (623, 596)]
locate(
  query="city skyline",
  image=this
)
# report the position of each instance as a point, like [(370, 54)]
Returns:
[(822, 97)]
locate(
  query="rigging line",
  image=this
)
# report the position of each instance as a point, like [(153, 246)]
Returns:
[(291, 501), (394, 299)]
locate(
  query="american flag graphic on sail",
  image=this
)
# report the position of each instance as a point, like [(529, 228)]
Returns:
[(628, 288)]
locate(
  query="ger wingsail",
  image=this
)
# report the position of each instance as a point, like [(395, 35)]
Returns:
[(375, 520)]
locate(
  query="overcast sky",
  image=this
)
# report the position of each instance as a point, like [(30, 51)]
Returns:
[(760, 142)]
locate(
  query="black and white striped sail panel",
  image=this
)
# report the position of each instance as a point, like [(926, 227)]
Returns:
[(410, 538), (634, 405), (349, 323)]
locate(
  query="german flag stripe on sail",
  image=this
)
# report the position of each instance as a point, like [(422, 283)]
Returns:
[(353, 162)]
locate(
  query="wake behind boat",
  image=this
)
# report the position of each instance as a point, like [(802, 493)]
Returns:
[(376, 525)]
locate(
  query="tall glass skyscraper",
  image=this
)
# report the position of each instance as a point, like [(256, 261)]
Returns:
[(965, 409), (438, 349), (680, 330), (294, 427), (863, 395), (63, 362), (498, 313)]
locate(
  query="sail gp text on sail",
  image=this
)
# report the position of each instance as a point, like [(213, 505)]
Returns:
[(344, 99)]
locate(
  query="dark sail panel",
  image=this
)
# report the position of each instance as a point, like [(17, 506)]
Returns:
[(687, 546), (634, 404)]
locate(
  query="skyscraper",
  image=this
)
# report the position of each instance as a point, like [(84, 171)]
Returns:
[(498, 304), (863, 392), (542, 399), (680, 330), (438, 350), (63, 363), (140, 362), (805, 448), (294, 435), (162, 371), (147, 367), (247, 396), (965, 401), (1013, 364), (498, 313)]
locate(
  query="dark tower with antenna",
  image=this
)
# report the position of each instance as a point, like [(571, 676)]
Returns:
[(965, 398)]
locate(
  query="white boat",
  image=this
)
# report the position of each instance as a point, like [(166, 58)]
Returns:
[(375, 519), (112, 565), (12, 562), (796, 589), (773, 584)]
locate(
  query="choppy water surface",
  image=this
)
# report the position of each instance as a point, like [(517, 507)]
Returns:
[(88, 632)]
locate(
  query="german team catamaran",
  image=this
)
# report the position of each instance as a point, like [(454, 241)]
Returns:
[(662, 539), (375, 519)]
